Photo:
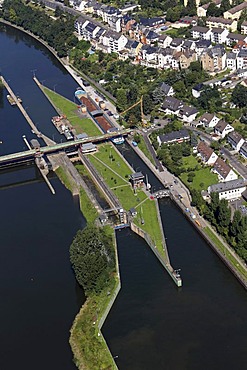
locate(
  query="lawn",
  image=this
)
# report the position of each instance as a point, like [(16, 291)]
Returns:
[(142, 146), (68, 108), (114, 173), (203, 178), (190, 162)]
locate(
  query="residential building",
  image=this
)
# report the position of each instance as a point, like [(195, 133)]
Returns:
[(165, 57), (235, 140), (218, 22), (243, 150), (86, 29), (223, 128), (208, 120), (167, 89), (202, 10), (235, 12), (114, 23), (113, 41), (187, 113), (164, 41), (224, 171), (151, 22), (214, 59), (231, 61), (242, 59), (174, 137), (207, 155), (219, 35), (244, 28), (128, 8), (202, 33), (171, 105), (197, 90), (229, 190), (177, 43), (151, 37), (149, 56), (233, 38), (201, 46), (186, 58)]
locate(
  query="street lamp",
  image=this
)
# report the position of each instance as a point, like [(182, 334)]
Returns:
[(54, 87)]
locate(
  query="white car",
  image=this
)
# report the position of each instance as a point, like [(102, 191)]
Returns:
[(116, 116)]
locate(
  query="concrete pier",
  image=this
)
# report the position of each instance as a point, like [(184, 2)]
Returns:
[(46, 139)]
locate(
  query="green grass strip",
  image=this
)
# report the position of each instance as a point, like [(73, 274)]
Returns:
[(70, 110), (143, 147), (220, 246)]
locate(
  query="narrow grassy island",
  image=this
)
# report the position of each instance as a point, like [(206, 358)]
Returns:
[(92, 256)]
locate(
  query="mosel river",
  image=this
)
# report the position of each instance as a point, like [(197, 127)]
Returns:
[(153, 325)]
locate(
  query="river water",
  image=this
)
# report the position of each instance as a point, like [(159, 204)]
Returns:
[(153, 325)]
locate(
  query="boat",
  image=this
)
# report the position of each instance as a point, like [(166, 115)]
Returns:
[(11, 100), (118, 140)]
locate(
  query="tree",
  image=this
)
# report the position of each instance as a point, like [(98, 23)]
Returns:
[(239, 96), (223, 215), (121, 99), (92, 258), (213, 11), (225, 5)]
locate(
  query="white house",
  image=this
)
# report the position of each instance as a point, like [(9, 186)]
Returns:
[(187, 114), (231, 61), (223, 128), (224, 171), (219, 35), (164, 41), (113, 41), (202, 33), (208, 120), (235, 140), (242, 59), (229, 190), (206, 153)]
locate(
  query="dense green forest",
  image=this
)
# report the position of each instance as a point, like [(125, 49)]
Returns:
[(92, 258), (57, 33)]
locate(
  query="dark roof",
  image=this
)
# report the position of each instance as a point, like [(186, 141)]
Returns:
[(152, 35), (188, 111), (235, 137), (177, 41), (203, 43), (172, 103), (165, 88), (137, 175), (150, 22), (221, 125), (236, 36), (199, 29), (228, 185), (174, 136), (219, 20), (90, 27)]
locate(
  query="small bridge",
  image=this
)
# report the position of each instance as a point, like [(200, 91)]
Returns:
[(15, 157)]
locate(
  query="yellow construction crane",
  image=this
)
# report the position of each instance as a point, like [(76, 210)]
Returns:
[(134, 105)]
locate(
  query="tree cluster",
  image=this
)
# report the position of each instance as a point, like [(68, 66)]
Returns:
[(218, 213), (57, 33), (239, 96), (92, 258)]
